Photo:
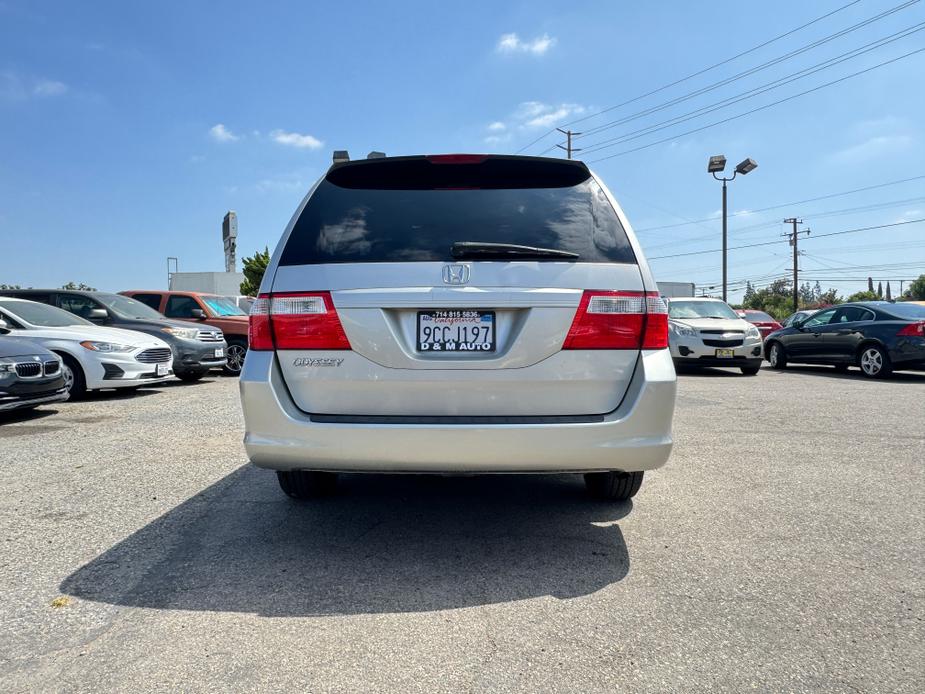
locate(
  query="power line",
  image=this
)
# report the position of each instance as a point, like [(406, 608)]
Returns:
[(698, 73), (761, 108), (750, 71), (744, 96), (769, 243), (787, 204)]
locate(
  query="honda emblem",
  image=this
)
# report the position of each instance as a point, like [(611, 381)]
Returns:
[(455, 274)]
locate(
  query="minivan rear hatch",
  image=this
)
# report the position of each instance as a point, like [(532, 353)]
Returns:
[(457, 285)]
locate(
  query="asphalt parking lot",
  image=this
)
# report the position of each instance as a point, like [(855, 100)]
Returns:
[(782, 549)]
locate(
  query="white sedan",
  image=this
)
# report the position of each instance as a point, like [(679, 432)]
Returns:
[(95, 358), (707, 332)]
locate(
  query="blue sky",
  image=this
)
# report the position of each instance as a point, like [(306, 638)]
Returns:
[(128, 129)]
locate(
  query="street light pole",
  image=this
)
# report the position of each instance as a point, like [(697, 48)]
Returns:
[(724, 235), (716, 165)]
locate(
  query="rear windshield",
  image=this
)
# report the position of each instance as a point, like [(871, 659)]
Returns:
[(343, 223), (915, 311), (760, 316)]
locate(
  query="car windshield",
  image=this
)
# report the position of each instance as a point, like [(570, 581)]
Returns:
[(41, 315), (914, 311), (700, 309), (127, 307), (222, 306), (758, 316)]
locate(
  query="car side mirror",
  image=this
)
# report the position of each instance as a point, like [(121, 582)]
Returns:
[(98, 314), (4, 327), (198, 314)]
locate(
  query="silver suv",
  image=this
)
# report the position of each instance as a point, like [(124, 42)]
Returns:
[(458, 314)]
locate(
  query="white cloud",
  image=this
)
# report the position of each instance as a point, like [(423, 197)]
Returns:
[(512, 43), (49, 88), (283, 184), (909, 215), (872, 148), (536, 114), (17, 87), (296, 140), (220, 133), (497, 126)]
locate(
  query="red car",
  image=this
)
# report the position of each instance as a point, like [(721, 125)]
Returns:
[(765, 323)]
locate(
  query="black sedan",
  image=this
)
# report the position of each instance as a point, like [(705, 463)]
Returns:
[(30, 375), (877, 336)]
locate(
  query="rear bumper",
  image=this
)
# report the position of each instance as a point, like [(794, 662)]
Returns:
[(733, 362), (636, 436)]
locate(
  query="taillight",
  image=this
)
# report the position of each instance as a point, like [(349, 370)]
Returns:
[(259, 335), (302, 320), (619, 320), (913, 330)]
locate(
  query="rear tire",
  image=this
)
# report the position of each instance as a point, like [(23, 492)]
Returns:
[(751, 370), (777, 356), (613, 486), (875, 362), (74, 379), (307, 484)]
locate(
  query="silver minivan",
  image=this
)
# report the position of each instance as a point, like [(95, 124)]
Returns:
[(458, 314)]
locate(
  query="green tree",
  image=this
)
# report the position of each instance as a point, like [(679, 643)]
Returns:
[(81, 287), (916, 289), (254, 267), (889, 292), (870, 284), (828, 297), (863, 296), (879, 290), (776, 299), (749, 292), (10, 286)]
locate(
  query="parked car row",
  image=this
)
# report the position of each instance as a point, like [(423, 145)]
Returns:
[(59, 343), (878, 337)]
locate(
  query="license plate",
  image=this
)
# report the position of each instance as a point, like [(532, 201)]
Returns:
[(456, 330), (219, 353), (162, 369), (725, 354)]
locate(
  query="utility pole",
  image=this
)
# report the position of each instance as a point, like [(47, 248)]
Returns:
[(794, 237), (568, 142)]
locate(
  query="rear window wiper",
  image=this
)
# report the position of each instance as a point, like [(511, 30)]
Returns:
[(478, 249)]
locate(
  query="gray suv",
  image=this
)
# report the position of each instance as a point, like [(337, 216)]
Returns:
[(458, 314)]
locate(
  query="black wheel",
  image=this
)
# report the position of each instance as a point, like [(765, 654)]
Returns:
[(306, 484), (236, 352), (190, 376), (613, 486), (74, 379), (777, 356), (875, 362), (751, 370)]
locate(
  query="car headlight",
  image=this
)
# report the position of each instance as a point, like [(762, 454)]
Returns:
[(106, 346), (185, 333), (752, 332), (681, 330), (7, 367)]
